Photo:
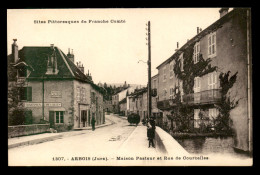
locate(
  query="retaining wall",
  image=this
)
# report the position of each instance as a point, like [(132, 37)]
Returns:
[(21, 130), (166, 143)]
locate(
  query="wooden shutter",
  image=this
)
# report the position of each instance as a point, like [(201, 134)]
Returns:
[(51, 118), (29, 93)]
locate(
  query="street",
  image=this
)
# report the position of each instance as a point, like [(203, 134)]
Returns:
[(99, 144)]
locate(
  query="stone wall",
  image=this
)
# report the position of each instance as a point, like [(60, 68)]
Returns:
[(165, 143), (22, 130)]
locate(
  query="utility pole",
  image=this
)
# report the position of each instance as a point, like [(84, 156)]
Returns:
[(149, 72)]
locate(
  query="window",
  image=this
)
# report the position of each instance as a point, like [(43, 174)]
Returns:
[(213, 113), (196, 118), (93, 97), (164, 73), (25, 93), (22, 72), (78, 94), (212, 80), (181, 90), (197, 83), (172, 93), (59, 117), (212, 50), (196, 52), (171, 69), (83, 95), (181, 61)]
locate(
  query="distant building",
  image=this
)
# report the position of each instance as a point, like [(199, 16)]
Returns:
[(116, 98), (55, 90)]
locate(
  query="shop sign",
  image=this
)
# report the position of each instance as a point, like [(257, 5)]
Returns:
[(32, 105)]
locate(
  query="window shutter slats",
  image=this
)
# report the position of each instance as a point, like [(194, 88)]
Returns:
[(29, 93)]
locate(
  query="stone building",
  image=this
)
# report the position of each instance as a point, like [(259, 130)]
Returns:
[(55, 90), (228, 45), (119, 96)]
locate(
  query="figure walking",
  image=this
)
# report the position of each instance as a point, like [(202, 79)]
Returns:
[(93, 121), (151, 132)]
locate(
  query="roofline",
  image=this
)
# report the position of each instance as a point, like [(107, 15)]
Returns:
[(155, 75), (65, 61), (201, 34)]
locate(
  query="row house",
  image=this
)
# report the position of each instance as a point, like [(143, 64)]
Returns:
[(119, 96), (227, 43), (137, 103), (54, 89), (157, 113)]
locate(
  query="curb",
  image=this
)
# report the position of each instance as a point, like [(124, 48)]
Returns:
[(35, 141)]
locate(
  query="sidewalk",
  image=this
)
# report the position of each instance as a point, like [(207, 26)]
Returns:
[(137, 144), (45, 137)]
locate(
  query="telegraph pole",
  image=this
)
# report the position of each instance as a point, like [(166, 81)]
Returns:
[(149, 72)]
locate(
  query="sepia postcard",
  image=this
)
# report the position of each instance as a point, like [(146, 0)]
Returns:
[(130, 87)]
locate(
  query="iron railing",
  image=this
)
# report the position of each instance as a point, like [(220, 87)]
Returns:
[(166, 104), (203, 97)]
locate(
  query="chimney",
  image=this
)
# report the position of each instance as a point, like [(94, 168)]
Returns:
[(223, 12), (177, 47), (70, 55), (14, 51), (52, 46), (198, 30), (81, 67)]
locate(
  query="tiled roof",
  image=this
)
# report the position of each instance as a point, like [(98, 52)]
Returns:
[(37, 57)]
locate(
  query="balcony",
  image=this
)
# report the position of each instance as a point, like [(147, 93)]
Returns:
[(203, 97), (166, 104)]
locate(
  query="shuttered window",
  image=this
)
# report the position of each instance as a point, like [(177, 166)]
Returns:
[(212, 49), (196, 52), (25, 94)]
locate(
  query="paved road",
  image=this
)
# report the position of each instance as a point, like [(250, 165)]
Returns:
[(102, 143)]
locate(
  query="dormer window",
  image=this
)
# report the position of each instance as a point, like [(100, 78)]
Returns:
[(22, 72), (52, 63)]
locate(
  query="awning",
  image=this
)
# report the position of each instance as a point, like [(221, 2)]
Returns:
[(57, 109)]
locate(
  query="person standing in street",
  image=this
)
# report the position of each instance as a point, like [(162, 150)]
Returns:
[(151, 133), (93, 121)]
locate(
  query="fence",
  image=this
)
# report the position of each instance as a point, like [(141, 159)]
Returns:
[(22, 130)]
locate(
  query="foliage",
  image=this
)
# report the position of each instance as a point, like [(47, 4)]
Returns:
[(20, 117), (191, 70), (225, 105), (133, 118)]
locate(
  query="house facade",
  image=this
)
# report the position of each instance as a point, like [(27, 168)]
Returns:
[(54, 89), (118, 97), (226, 43), (157, 113)]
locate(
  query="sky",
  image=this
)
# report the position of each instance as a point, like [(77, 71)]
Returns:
[(110, 51)]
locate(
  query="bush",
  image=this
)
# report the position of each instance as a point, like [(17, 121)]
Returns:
[(133, 118), (20, 117)]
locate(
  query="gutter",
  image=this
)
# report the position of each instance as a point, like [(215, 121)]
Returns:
[(249, 75)]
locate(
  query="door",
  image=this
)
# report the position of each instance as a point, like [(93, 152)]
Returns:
[(51, 119), (83, 117)]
